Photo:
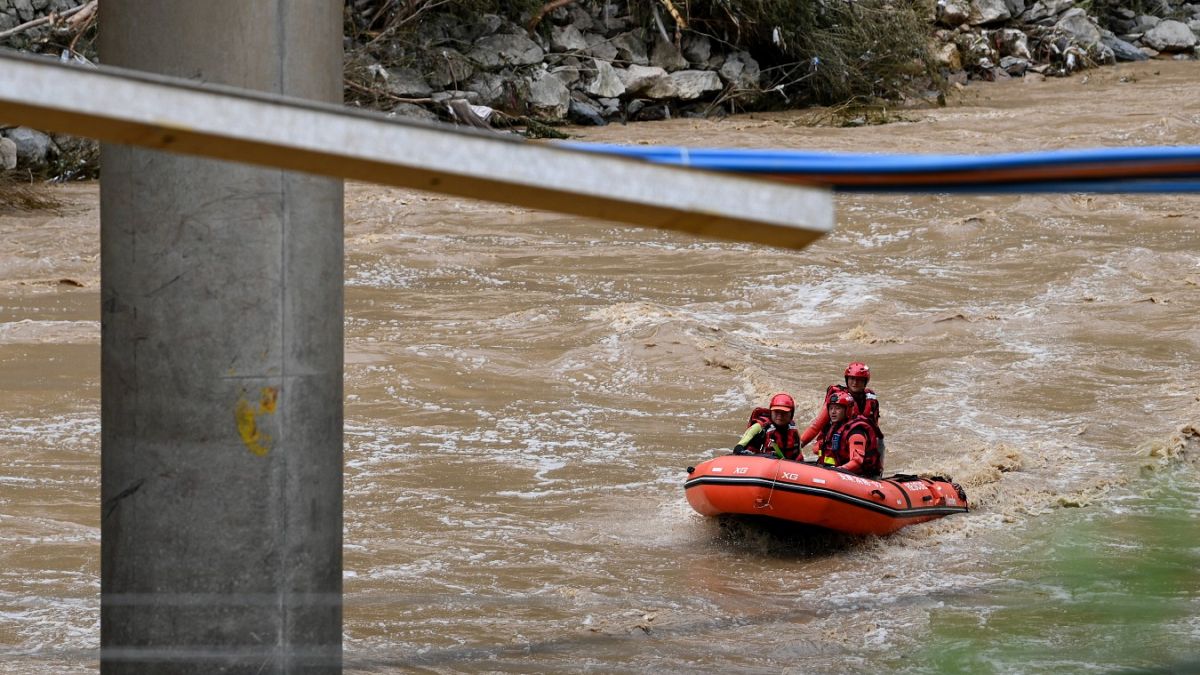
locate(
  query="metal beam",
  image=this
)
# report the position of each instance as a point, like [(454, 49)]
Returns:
[(176, 115)]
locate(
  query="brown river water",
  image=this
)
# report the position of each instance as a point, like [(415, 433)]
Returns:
[(524, 391)]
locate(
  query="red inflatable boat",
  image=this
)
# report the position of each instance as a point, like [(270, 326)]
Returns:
[(755, 485)]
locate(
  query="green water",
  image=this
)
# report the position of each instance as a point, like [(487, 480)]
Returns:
[(1108, 588)]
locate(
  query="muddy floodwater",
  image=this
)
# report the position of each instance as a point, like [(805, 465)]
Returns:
[(524, 391)]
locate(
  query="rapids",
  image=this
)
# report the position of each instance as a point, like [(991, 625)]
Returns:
[(524, 390)]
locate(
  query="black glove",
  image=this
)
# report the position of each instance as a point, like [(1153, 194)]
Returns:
[(740, 449)]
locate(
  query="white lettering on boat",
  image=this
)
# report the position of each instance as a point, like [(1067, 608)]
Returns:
[(741, 469), (856, 479), (915, 485), (718, 469), (819, 480), (791, 476)]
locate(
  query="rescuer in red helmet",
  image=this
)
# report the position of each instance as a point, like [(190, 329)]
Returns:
[(772, 430), (851, 441), (857, 375)]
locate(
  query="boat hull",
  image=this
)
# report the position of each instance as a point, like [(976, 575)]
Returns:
[(813, 495)]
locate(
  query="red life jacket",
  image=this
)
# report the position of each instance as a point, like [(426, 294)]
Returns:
[(835, 450), (786, 439), (866, 403)]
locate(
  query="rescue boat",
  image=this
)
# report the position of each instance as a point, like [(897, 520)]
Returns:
[(756, 485)]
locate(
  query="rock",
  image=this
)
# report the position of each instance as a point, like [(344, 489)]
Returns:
[(606, 83), (1014, 66), (1076, 23), (631, 48), (408, 83), (664, 55), (1102, 54), (1149, 52), (1012, 42), (34, 149), (1122, 50), (548, 97), (948, 56), (692, 84), (443, 96), (23, 10), (984, 12), (953, 12), (490, 24), (641, 111), (640, 78), (567, 39), (447, 67), (581, 112), (414, 112), (1170, 36), (1045, 9), (663, 88), (1144, 23), (580, 18), (494, 90), (1015, 7), (496, 51), (741, 71), (612, 106), (600, 47), (568, 73), (697, 49), (1194, 24), (8, 21), (8, 154)]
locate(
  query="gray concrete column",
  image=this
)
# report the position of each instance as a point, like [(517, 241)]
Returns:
[(221, 364)]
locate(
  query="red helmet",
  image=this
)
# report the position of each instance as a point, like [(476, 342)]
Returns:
[(783, 402), (859, 369), (838, 397)]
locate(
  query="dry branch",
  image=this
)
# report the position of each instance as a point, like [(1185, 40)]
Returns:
[(53, 17)]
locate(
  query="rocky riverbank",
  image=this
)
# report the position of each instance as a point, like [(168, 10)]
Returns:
[(592, 62)]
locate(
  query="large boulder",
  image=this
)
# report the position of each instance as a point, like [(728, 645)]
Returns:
[(1076, 23), (567, 39), (631, 48), (447, 67), (697, 49), (638, 79), (947, 56), (741, 71), (985, 12), (1122, 50), (33, 148), (692, 84), (1015, 7), (8, 154), (1170, 36), (408, 83), (548, 97), (667, 56), (497, 51), (494, 90), (600, 47), (953, 12), (605, 84), (1046, 9), (1012, 42)]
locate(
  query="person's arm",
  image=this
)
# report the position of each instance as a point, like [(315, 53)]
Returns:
[(751, 433), (857, 444), (815, 427)]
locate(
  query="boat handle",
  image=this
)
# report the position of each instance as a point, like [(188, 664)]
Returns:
[(877, 493)]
